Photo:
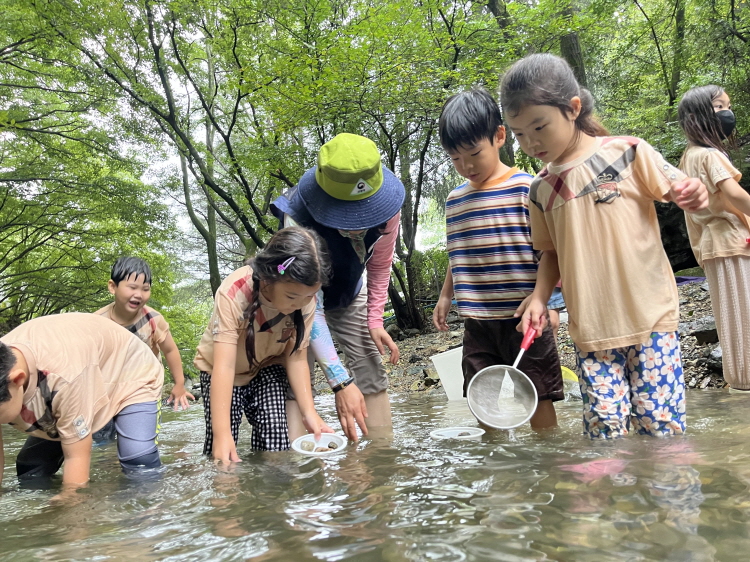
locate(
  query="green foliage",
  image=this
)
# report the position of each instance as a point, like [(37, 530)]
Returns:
[(95, 94)]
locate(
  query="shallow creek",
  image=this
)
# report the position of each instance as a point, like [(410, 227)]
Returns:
[(508, 496)]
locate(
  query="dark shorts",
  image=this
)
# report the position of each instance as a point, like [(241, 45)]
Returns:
[(496, 342)]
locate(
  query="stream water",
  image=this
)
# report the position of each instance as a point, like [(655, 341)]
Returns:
[(507, 496)]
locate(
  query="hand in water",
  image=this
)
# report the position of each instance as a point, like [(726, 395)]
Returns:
[(315, 424), (225, 450), (352, 411)]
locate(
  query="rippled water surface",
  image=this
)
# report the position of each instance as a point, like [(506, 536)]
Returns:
[(510, 497)]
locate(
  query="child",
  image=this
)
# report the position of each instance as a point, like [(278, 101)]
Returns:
[(492, 264), (720, 234), (62, 378), (130, 284), (594, 219), (268, 308)]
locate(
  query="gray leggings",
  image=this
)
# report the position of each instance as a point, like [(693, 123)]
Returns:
[(136, 427)]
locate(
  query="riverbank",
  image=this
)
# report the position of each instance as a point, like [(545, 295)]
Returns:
[(701, 355), (415, 372)]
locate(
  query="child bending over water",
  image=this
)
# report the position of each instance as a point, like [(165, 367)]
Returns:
[(267, 307), (593, 217), (63, 377)]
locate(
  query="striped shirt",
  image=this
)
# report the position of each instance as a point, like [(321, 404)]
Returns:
[(489, 246)]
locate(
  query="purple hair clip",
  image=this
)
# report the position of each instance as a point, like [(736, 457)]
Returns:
[(281, 268)]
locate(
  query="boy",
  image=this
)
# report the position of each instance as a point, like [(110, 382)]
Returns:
[(492, 263), (62, 378), (130, 284)]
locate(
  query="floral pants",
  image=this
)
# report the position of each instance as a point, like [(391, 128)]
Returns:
[(642, 384)]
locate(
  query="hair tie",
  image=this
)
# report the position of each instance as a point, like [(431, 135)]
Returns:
[(283, 266)]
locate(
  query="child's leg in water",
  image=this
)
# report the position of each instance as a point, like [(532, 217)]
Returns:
[(643, 381), (265, 408), (136, 427), (235, 411), (657, 385), (605, 391)]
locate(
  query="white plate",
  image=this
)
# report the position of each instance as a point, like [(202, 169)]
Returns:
[(325, 439), (457, 433)]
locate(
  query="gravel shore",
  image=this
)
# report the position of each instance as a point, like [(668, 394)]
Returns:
[(415, 372)]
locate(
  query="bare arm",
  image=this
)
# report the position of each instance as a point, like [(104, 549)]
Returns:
[(533, 309), (222, 385), (738, 197), (179, 395), (77, 463), (443, 306), (298, 373)]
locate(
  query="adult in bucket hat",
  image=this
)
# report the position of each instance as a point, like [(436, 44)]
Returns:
[(354, 203)]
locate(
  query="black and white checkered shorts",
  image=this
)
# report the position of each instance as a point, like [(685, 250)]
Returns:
[(263, 400)]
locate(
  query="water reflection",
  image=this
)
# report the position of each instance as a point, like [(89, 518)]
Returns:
[(404, 496)]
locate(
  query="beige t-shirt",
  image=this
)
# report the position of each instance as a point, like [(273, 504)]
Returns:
[(720, 231), (616, 278), (149, 325), (83, 369), (228, 325)]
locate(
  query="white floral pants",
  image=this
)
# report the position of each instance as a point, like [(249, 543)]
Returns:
[(642, 384)]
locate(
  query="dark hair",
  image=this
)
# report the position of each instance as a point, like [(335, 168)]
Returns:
[(125, 266), (545, 79), (311, 266), (467, 118), (7, 360), (698, 118)]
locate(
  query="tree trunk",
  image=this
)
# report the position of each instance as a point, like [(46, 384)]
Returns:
[(570, 49), (679, 43)]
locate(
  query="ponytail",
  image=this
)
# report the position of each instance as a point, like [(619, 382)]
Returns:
[(545, 79), (250, 317), (586, 122)]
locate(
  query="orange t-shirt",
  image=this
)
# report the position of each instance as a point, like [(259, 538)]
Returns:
[(83, 369)]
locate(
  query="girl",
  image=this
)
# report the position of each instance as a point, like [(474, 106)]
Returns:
[(268, 308), (592, 215), (720, 234)]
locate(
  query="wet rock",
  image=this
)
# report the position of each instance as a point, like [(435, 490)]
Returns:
[(431, 373), (704, 330), (714, 360), (414, 358), (452, 318), (395, 332), (411, 332)]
